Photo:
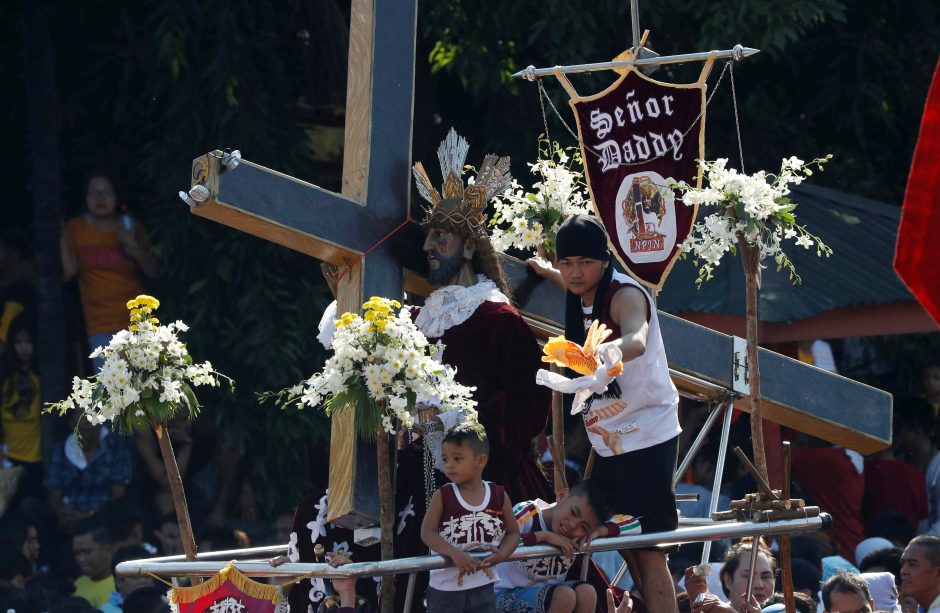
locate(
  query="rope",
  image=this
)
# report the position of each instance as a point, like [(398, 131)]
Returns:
[(737, 124), (161, 580), (370, 250), (708, 100)]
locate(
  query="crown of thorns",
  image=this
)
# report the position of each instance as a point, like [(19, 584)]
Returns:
[(465, 212)]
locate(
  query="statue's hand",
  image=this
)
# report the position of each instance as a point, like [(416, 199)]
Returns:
[(331, 275)]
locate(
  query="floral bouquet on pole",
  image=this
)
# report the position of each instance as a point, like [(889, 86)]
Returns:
[(382, 368), (754, 209), (147, 379), (530, 220), (753, 214)]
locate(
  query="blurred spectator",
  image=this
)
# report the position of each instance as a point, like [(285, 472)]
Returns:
[(818, 353), (148, 449), (105, 249), (218, 538), (833, 565), (703, 476), (804, 603), (894, 527), (884, 591), (883, 560), (920, 572), (126, 524), (847, 593), (832, 477), (19, 535), (147, 600), (893, 485), (125, 585), (168, 535), (282, 528), (806, 578), (734, 573), (871, 545), (93, 548), (17, 294), (73, 604), (84, 475), (915, 437), (14, 570), (930, 384), (21, 410)]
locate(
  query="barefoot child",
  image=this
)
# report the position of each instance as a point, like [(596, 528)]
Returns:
[(467, 514), (539, 586)]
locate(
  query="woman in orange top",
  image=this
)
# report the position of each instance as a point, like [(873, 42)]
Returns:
[(105, 249)]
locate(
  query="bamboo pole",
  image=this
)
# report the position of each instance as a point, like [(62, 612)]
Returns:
[(176, 488), (386, 517), (750, 257)]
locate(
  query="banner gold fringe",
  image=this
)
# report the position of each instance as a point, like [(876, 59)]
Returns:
[(186, 595)]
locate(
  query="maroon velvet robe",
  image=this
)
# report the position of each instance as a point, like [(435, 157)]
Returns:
[(495, 351)]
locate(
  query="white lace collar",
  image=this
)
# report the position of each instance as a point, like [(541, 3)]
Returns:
[(452, 305)]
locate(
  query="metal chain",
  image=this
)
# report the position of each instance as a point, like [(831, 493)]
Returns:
[(708, 100), (737, 124), (544, 115)]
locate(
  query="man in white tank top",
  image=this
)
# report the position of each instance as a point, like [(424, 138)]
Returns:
[(634, 425)]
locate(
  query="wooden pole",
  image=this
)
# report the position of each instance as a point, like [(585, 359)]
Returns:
[(176, 488), (785, 562), (556, 442), (386, 517), (750, 257)]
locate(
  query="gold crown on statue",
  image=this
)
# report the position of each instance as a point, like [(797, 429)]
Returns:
[(461, 209)]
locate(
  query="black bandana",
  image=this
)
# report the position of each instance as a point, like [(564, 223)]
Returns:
[(584, 236)]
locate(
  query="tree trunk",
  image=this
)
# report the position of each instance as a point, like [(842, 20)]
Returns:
[(386, 517), (750, 257), (42, 124), (176, 488)]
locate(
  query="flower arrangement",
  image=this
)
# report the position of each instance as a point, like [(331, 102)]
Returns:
[(530, 220), (383, 366), (753, 207), (147, 377)]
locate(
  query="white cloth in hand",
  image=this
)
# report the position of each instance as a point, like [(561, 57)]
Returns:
[(326, 327)]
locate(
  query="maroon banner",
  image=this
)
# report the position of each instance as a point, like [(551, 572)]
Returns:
[(228, 592), (634, 135)]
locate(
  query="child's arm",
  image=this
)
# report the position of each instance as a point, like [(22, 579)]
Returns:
[(510, 537), (432, 538), (618, 525)]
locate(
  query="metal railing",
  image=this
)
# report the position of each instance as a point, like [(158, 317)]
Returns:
[(172, 567)]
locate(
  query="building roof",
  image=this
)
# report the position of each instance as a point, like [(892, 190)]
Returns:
[(861, 233)]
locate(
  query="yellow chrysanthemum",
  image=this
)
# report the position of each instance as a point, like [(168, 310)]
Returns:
[(344, 320), (134, 328), (154, 320), (143, 301)]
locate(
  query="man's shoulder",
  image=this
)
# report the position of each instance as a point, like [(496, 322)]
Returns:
[(497, 309)]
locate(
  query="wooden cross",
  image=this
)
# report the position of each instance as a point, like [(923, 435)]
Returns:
[(340, 227), (374, 200)]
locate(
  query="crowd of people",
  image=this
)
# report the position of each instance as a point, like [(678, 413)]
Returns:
[(87, 498), (75, 498)]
